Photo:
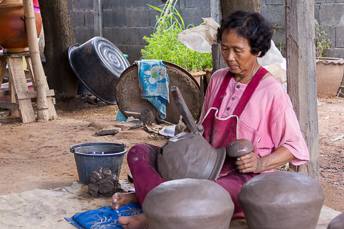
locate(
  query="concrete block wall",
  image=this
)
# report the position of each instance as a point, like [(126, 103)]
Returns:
[(328, 13), (83, 14), (125, 22)]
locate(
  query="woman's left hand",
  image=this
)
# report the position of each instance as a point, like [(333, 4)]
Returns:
[(249, 163)]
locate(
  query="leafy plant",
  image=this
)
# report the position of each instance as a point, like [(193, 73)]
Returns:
[(322, 42), (164, 44)]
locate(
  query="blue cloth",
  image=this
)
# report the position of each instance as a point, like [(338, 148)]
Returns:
[(120, 117), (154, 83), (103, 218)]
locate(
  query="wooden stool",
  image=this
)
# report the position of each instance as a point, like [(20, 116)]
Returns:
[(21, 96)]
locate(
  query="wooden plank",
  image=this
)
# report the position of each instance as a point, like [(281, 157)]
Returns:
[(2, 69), (17, 76), (50, 93), (301, 76), (33, 95)]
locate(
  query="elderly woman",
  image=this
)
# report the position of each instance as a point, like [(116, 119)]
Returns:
[(242, 101)]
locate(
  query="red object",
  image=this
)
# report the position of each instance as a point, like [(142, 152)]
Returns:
[(36, 3), (12, 28)]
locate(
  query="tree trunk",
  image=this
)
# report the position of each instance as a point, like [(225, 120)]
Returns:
[(229, 6), (223, 8), (301, 76), (59, 35)]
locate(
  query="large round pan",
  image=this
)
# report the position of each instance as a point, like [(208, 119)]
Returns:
[(98, 64), (129, 98)]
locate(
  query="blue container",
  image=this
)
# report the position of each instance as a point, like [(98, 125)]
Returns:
[(92, 156)]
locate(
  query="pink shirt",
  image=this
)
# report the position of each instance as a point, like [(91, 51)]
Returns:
[(268, 119)]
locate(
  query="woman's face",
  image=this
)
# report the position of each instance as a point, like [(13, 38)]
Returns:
[(236, 52)]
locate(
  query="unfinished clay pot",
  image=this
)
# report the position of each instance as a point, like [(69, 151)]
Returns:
[(239, 148), (13, 35), (188, 204), (188, 155), (282, 200), (337, 222)]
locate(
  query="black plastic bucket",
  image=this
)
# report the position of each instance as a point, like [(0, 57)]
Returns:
[(92, 156)]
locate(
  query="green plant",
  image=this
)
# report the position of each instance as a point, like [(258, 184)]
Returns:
[(322, 42), (163, 44)]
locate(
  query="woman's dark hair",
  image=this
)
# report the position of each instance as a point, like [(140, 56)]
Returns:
[(252, 26)]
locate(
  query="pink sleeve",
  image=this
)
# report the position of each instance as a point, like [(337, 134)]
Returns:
[(211, 90), (286, 132)]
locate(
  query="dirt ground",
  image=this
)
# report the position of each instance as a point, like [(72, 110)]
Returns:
[(36, 155)]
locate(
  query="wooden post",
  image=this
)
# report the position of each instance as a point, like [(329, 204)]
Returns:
[(30, 22), (229, 6), (301, 74)]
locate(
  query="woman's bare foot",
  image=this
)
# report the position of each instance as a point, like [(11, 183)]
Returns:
[(133, 222), (121, 198)]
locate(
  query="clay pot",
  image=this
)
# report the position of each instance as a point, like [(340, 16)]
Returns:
[(329, 73), (13, 35), (188, 204), (239, 148), (188, 155), (281, 200), (337, 222)]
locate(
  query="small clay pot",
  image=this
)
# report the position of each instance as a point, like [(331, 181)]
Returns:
[(239, 148), (13, 35), (188, 204), (282, 200), (337, 222)]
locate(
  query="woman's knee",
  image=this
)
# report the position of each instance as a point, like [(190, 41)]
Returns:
[(139, 152)]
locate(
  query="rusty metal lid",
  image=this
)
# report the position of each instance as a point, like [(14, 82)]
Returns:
[(129, 98)]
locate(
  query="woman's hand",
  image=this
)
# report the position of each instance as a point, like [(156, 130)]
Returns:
[(249, 163)]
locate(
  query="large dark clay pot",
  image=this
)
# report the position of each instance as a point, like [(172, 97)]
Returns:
[(13, 35), (337, 222), (188, 204), (282, 200)]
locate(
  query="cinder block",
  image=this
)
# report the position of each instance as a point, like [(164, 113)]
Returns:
[(82, 4), (194, 15), (195, 3), (331, 14), (89, 18), (335, 52), (274, 2), (331, 33), (83, 34), (274, 13), (139, 17), (141, 3), (340, 37), (114, 17), (78, 18)]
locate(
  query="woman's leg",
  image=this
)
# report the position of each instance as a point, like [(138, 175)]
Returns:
[(142, 159), (233, 184)]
